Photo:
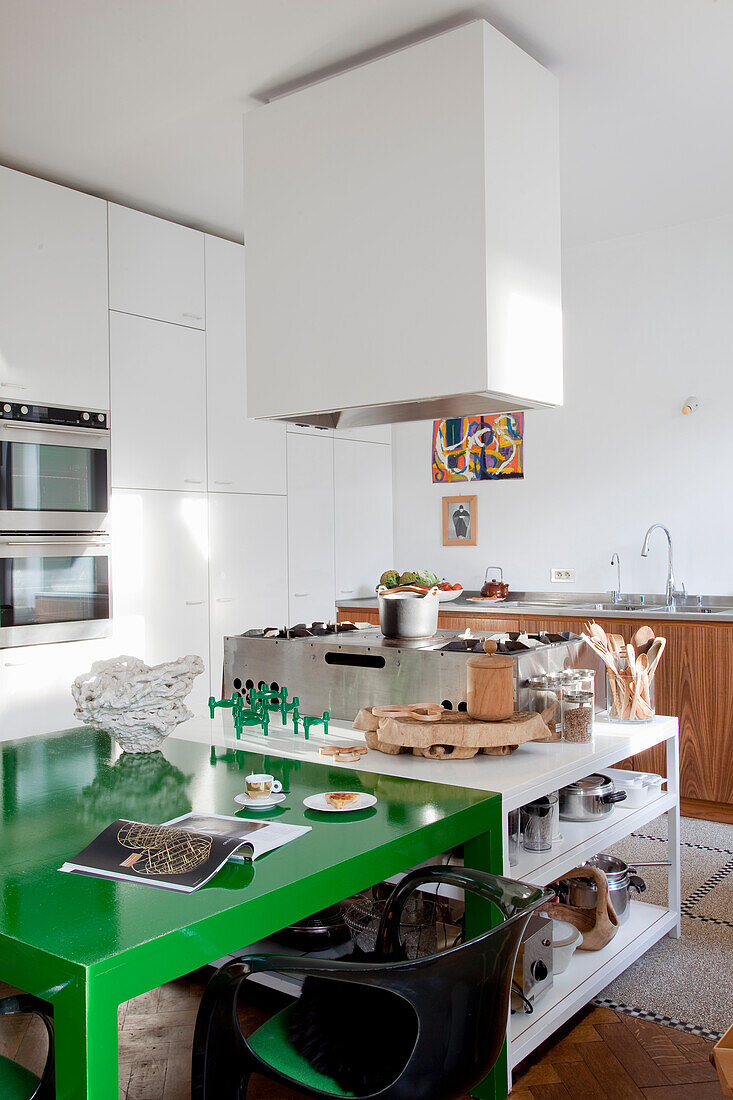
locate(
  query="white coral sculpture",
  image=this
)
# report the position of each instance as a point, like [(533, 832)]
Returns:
[(138, 704)]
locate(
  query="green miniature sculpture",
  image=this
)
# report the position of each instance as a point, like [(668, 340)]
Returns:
[(261, 701)]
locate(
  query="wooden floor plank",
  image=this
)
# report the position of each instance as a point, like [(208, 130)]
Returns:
[(641, 1068), (605, 1066), (580, 1082)]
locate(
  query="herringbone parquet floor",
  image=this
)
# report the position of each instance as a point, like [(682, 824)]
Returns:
[(600, 1055)]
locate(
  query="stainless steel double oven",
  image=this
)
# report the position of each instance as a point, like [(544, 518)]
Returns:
[(54, 545)]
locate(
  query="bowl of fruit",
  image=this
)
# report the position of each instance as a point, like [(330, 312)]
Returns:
[(421, 578)]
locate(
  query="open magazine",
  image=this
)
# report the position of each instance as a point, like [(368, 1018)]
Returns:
[(182, 854)]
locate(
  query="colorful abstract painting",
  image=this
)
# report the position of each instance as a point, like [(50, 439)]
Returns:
[(478, 448)]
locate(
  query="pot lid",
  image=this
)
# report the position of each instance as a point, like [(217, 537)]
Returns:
[(614, 869), (592, 784)]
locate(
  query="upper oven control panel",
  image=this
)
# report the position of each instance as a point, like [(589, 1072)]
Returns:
[(47, 414)]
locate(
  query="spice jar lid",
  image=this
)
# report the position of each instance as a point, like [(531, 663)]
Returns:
[(582, 698), (550, 681)]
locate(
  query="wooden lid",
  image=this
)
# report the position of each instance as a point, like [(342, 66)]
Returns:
[(491, 661)]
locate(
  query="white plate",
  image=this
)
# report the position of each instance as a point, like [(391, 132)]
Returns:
[(318, 802), (259, 803), (446, 597)]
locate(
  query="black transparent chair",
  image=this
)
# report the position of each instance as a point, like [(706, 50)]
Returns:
[(16, 1082), (460, 998)]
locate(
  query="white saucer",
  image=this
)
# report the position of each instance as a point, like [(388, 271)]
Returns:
[(259, 803), (318, 802)]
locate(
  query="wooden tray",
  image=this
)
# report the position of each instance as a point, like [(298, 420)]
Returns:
[(455, 736)]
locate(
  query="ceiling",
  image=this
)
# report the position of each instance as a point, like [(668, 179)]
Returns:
[(141, 100)]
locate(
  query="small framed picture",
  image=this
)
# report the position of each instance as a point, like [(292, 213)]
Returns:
[(460, 517)]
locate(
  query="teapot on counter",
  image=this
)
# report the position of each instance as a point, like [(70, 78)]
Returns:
[(493, 589)]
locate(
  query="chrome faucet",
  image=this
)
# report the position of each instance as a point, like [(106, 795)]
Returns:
[(616, 592), (671, 592)]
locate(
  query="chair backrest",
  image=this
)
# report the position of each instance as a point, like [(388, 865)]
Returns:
[(461, 995), (24, 1004)]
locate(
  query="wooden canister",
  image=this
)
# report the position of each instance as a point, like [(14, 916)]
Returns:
[(490, 688)]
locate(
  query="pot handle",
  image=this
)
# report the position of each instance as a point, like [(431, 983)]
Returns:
[(614, 796), (637, 883)]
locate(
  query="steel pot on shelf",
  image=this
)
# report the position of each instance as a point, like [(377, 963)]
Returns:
[(408, 612), (589, 798), (581, 893)]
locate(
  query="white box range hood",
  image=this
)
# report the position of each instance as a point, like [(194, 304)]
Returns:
[(402, 239)]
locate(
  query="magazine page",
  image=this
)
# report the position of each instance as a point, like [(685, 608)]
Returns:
[(259, 836), (155, 855)]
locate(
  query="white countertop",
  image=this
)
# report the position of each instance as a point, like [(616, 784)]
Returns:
[(528, 773)]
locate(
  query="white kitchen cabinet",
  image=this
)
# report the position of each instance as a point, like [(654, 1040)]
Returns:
[(377, 433), (311, 527), (158, 420), (245, 456), (53, 294), (402, 221), (248, 570), (363, 509), (156, 268), (35, 685), (160, 578)]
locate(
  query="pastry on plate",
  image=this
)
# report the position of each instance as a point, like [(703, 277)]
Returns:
[(341, 800)]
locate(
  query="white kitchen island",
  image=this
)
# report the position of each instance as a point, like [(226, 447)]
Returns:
[(532, 771)]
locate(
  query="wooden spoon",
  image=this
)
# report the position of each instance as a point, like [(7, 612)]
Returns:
[(642, 639), (599, 634), (654, 653)]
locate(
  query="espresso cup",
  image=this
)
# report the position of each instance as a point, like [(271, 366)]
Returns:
[(262, 785)]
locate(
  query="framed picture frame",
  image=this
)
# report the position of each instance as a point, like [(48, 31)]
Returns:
[(460, 520)]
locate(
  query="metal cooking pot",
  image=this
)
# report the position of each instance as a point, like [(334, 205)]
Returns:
[(589, 798), (621, 881), (408, 612)]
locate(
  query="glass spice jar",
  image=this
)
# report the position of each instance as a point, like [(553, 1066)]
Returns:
[(577, 715), (545, 697)]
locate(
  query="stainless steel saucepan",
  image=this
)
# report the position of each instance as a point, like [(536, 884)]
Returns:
[(589, 798), (408, 612)]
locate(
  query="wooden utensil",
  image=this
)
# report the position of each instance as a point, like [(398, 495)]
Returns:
[(654, 653), (616, 643), (642, 638), (631, 658), (421, 712)]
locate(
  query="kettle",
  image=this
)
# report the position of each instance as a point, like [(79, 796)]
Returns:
[(493, 589)]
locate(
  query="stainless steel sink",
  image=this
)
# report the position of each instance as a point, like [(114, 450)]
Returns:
[(621, 606)]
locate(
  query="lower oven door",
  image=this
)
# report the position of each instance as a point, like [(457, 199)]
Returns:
[(54, 589)]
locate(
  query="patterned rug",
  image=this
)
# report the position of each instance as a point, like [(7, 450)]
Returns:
[(685, 983)]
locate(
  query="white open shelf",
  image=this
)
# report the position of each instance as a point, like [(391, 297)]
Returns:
[(582, 839), (588, 973)]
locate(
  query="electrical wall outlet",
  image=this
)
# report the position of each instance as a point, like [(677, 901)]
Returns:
[(562, 575)]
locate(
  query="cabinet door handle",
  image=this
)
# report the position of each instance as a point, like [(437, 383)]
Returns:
[(301, 593), (194, 603), (13, 386), (225, 599), (346, 591), (223, 483), (192, 481), (13, 664), (193, 316)]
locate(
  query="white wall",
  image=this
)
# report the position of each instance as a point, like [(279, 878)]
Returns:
[(648, 321)]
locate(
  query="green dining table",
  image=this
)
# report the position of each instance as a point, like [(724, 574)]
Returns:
[(88, 944)]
